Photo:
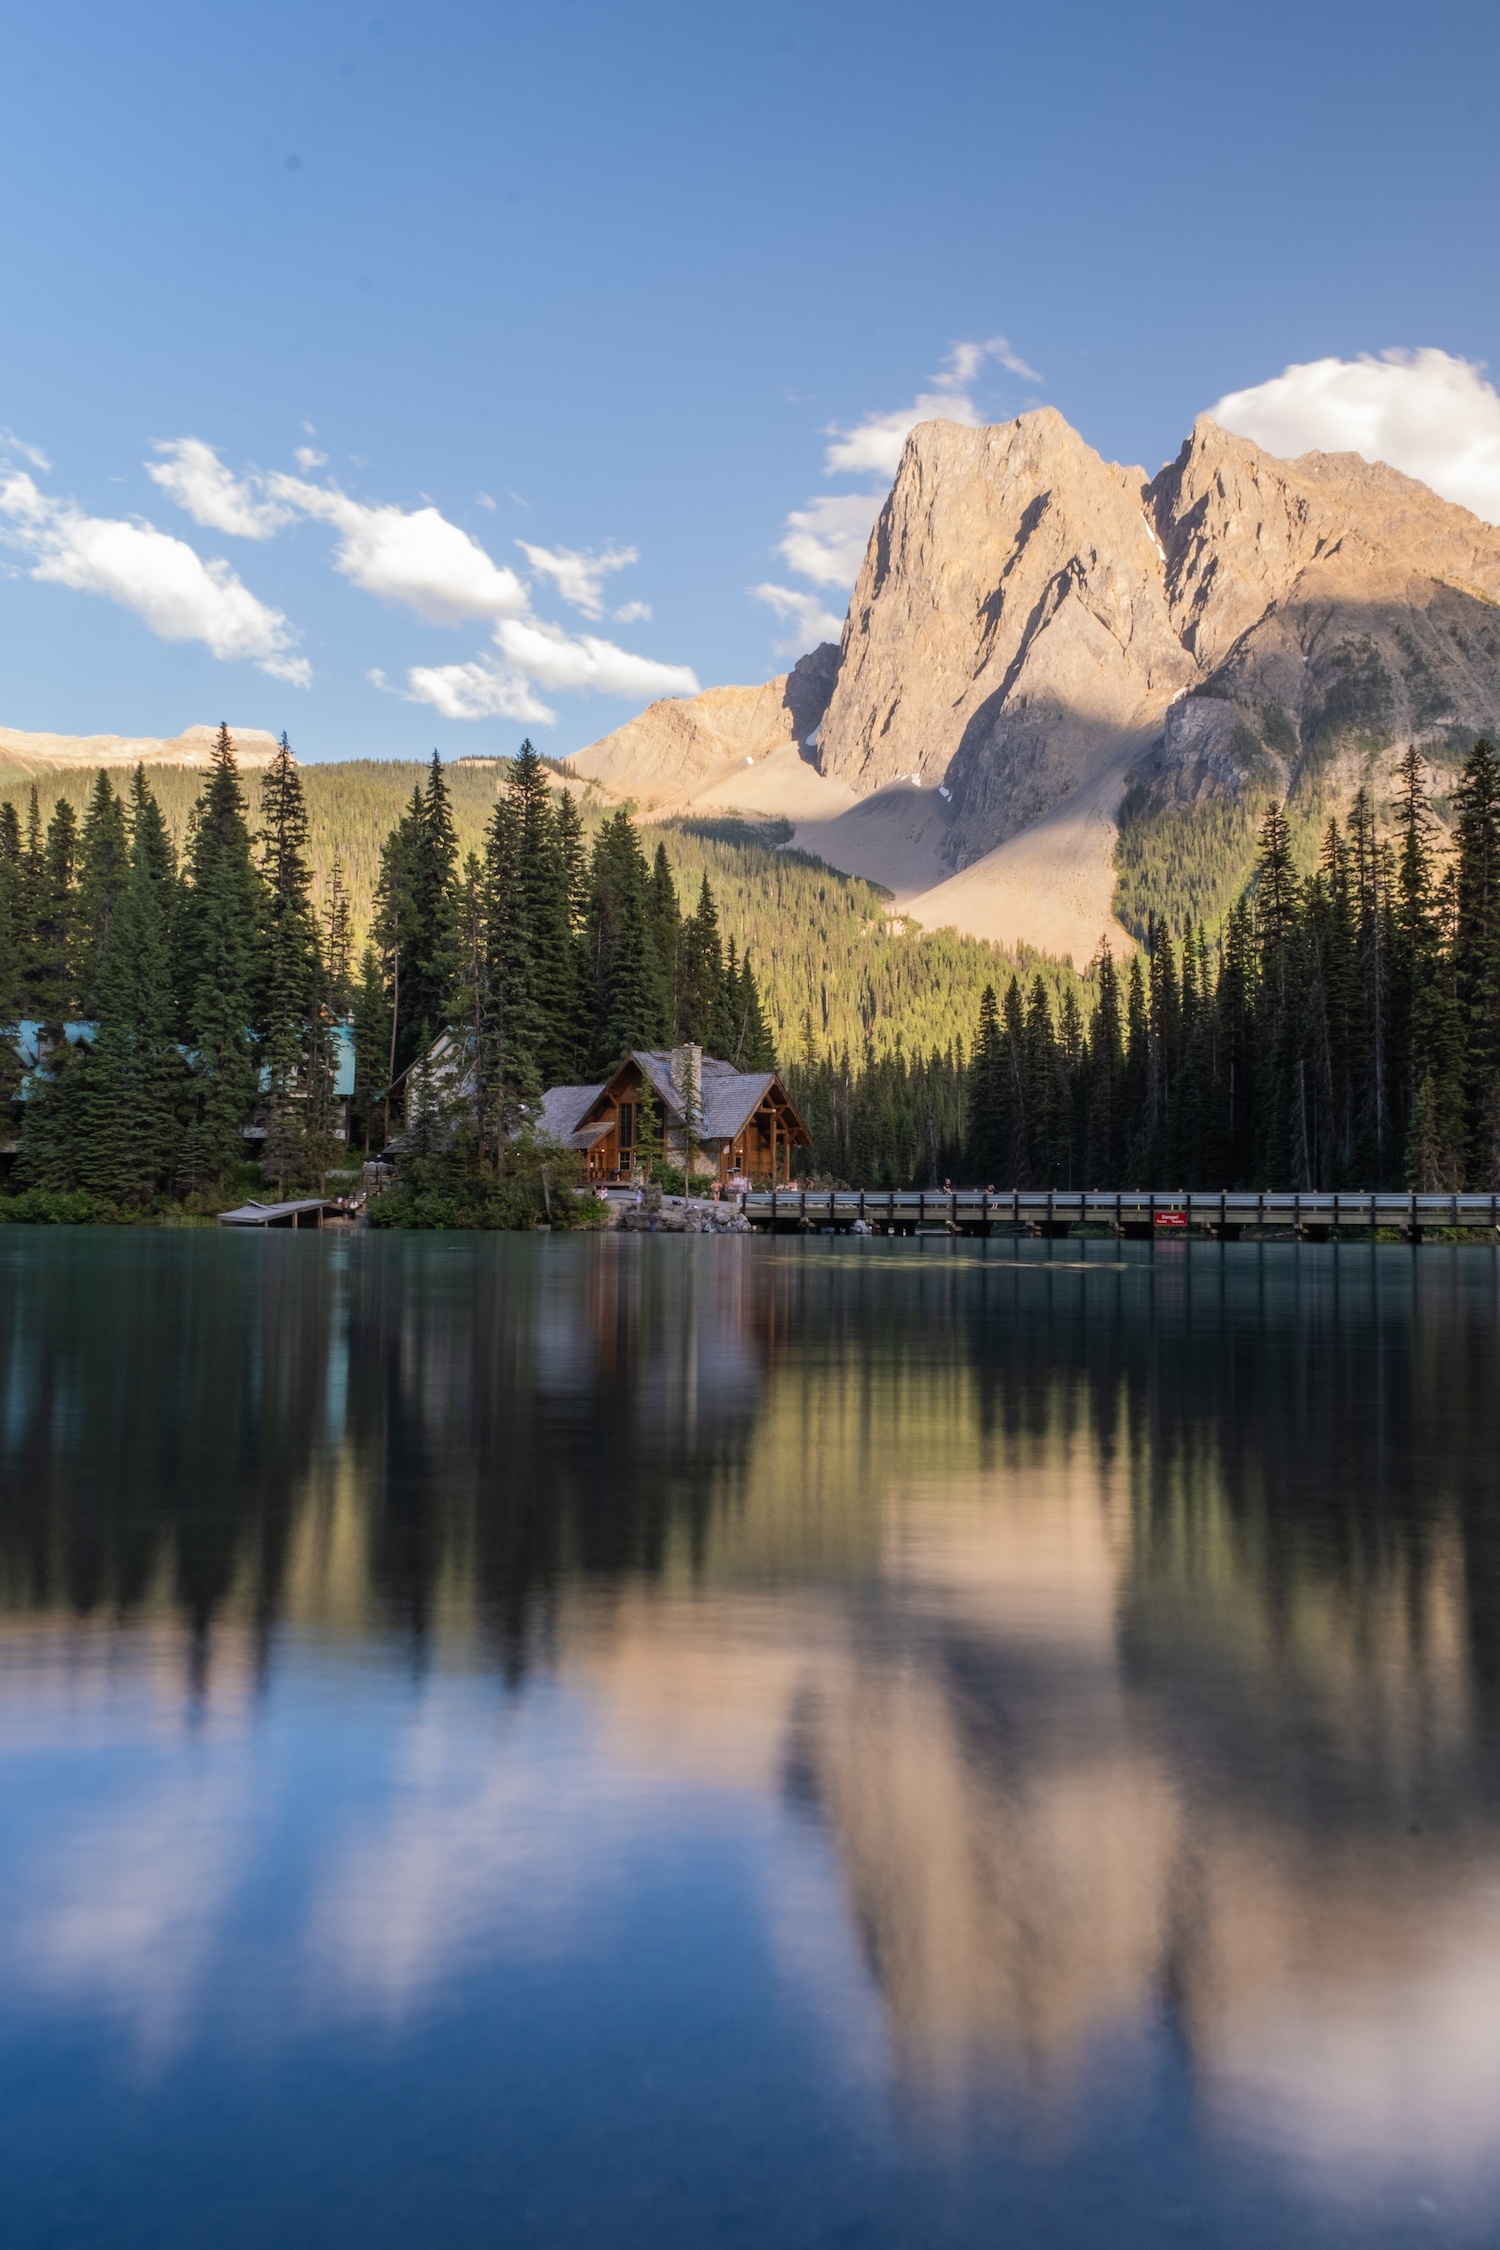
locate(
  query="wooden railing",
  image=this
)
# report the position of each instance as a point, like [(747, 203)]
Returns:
[(968, 1209)]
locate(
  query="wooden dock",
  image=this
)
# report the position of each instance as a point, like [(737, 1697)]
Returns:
[(1134, 1214)]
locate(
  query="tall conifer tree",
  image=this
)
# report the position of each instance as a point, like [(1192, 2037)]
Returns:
[(103, 868), (52, 953), (290, 963), (221, 914), (1476, 956), (631, 1008), (12, 917), (543, 905), (130, 1125)]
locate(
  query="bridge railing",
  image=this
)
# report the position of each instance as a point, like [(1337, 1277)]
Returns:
[(840, 1207)]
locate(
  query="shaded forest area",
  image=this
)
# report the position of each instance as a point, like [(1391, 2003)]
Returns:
[(1341, 1030)]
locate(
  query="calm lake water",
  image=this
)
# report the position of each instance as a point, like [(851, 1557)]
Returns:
[(657, 1742)]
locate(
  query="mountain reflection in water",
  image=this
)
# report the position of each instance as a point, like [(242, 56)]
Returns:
[(1096, 1655)]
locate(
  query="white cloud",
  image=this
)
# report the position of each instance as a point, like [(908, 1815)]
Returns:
[(809, 621), (491, 688), (826, 540), (416, 558), (204, 489), (546, 653), (874, 445), (633, 613), (579, 578), (168, 586), (308, 458), (1424, 412), (478, 690), (10, 443)]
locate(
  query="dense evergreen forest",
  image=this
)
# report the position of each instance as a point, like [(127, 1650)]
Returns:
[(820, 940), (1341, 1028), (204, 990), (208, 986), (553, 957)]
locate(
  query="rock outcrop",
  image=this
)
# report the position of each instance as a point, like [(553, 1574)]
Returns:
[(676, 752), (1033, 627), (1009, 622)]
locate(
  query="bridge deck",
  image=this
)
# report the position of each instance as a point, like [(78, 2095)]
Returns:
[(971, 1208)]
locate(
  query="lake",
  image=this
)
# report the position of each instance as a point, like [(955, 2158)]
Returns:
[(667, 1742)]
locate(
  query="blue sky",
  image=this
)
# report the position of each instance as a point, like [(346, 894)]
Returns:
[(528, 285)]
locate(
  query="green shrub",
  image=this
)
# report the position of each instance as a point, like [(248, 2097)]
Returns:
[(533, 1186), (40, 1207)]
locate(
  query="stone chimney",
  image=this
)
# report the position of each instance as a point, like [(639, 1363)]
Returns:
[(687, 1077)]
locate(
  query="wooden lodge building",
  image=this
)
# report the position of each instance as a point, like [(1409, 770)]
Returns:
[(743, 1122)]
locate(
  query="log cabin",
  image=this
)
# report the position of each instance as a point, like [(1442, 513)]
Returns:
[(742, 1123)]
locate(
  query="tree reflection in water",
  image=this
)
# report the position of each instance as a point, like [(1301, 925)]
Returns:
[(1128, 1621)]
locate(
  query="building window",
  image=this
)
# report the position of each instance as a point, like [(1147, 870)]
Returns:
[(627, 1126)]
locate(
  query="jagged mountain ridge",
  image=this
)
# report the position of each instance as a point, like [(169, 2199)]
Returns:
[(1034, 630)]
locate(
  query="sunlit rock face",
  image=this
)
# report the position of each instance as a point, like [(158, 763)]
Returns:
[(1025, 624)]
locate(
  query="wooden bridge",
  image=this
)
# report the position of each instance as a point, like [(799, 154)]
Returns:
[(1136, 1214)]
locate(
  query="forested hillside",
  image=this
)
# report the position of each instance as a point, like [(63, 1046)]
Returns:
[(824, 945)]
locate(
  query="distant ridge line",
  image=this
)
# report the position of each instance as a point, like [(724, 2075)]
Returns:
[(21, 752)]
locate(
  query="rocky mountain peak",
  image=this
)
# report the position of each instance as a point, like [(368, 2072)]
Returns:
[(1034, 630)]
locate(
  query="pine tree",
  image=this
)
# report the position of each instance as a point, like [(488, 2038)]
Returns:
[(31, 907), (630, 1003), (1369, 891), (1043, 1091), (511, 1065), (129, 1122), (1014, 1121), (103, 869), (1235, 1015), (544, 906), (703, 1009), (55, 1120), (50, 970), (339, 945), (398, 936), (1476, 950), (372, 1036), (666, 930), (1104, 1071), (472, 1008), (576, 875), (435, 897), (291, 969), (751, 1048), (1278, 1000), (1134, 1078), (221, 916), (1426, 1039), (416, 917), (1164, 1042), (12, 924)]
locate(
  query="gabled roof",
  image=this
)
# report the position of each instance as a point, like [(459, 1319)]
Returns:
[(730, 1097), (731, 1100), (563, 1111)]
